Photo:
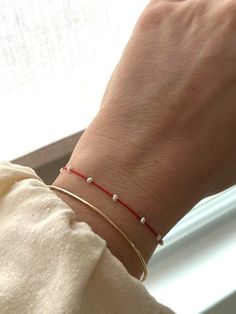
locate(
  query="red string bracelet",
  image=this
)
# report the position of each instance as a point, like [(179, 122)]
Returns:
[(115, 198)]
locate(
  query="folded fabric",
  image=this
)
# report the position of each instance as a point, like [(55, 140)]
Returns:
[(51, 263)]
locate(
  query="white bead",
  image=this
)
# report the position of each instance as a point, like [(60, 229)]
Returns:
[(90, 180), (69, 168), (115, 197), (159, 237), (143, 220)]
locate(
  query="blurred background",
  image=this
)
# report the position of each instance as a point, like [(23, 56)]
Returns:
[(56, 57)]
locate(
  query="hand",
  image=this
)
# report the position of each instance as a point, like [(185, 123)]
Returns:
[(168, 114), (164, 135)]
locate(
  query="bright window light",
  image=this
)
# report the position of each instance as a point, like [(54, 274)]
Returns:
[(56, 58)]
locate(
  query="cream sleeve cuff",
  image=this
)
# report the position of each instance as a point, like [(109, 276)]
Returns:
[(52, 264)]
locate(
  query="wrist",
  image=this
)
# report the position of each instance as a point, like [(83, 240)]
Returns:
[(121, 217), (151, 171), (156, 195)]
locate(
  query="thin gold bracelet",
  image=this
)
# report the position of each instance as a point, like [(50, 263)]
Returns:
[(108, 219)]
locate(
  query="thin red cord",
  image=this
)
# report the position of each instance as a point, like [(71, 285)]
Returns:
[(118, 200)]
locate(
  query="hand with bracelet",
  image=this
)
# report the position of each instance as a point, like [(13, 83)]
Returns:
[(163, 138)]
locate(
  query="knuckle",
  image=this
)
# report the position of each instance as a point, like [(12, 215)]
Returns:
[(227, 9), (230, 6), (200, 7), (153, 14), (226, 13)]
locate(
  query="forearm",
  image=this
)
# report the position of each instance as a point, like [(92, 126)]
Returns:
[(115, 166)]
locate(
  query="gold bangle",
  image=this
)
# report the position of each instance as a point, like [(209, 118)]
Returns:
[(108, 219)]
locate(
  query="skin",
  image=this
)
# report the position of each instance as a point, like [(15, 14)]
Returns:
[(164, 136)]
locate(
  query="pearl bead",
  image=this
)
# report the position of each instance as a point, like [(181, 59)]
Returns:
[(115, 197), (159, 237), (90, 180), (143, 220), (69, 168)]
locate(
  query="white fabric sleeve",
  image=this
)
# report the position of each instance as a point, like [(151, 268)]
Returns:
[(51, 263)]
